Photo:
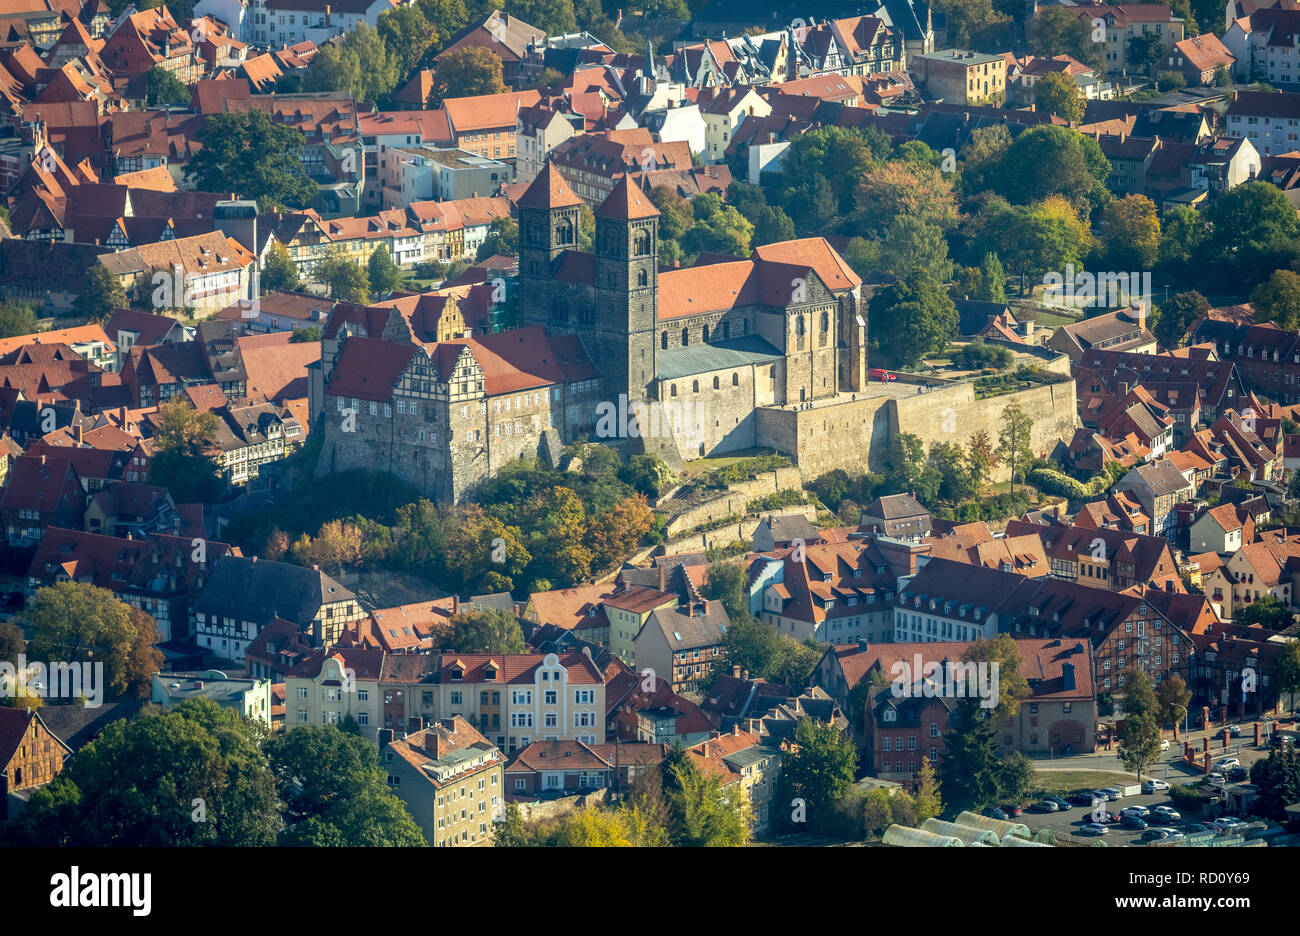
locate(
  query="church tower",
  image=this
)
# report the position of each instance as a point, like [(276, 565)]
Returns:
[(627, 282), (548, 226)]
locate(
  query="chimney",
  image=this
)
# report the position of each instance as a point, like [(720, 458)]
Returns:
[(385, 737), (1142, 315), (1067, 676), (42, 459), (735, 672), (735, 730), (414, 723)]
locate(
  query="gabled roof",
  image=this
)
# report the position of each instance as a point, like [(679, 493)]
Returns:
[(627, 203)]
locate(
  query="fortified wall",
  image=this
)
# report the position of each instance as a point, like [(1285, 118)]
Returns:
[(857, 435)]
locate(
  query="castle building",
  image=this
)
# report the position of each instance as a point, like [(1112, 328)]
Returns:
[(699, 350)]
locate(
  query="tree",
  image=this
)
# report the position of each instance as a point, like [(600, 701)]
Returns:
[(1171, 81), (1277, 300), (917, 315), (703, 814), (510, 831), (1144, 51), (335, 792), (408, 34), (1267, 610), (181, 461), (910, 245), (299, 335), (1176, 317), (490, 631), (450, 17), (1278, 780), (1172, 696), (279, 272), (502, 238), (818, 769), (385, 275), (163, 89), (1001, 653), (16, 318), (1061, 31), (1058, 93), (102, 296), (929, 804), (1130, 232), (467, 72), (71, 622), (723, 230), (970, 778), (981, 157), (727, 583), (362, 64), (1014, 445), (1250, 218), (1140, 740), (1183, 233), (992, 280), (1050, 160), (553, 17), (899, 188), (819, 173), (345, 278), (143, 782), (1286, 670), (248, 153), (967, 18)]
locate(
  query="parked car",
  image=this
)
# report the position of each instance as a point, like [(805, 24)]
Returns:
[(1086, 798), (1045, 806), (1215, 779), (994, 813), (882, 375), (1162, 835), (1140, 811), (1061, 804), (1133, 822), (1238, 774), (1225, 823), (1112, 817), (1164, 744), (1111, 793), (1166, 814), (1154, 786), (1224, 763), (1093, 828), (1234, 731), (1192, 828), (1012, 810)]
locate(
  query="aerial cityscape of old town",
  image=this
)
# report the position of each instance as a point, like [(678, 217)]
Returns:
[(661, 423)]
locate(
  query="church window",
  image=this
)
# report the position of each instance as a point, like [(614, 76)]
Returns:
[(642, 278), (663, 345), (704, 333), (686, 337), (641, 243), (735, 380), (674, 389), (716, 383), (564, 232), (826, 321), (695, 386)]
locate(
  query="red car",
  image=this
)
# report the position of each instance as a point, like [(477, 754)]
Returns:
[(882, 375), (1012, 810)]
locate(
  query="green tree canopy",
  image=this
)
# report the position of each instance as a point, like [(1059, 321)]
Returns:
[(71, 622), (917, 315), (489, 631), (279, 272), (818, 769), (191, 776), (248, 153), (1058, 93)]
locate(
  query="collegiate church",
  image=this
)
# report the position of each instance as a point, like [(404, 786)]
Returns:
[(396, 391)]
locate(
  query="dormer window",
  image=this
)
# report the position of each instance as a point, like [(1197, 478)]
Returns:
[(891, 715)]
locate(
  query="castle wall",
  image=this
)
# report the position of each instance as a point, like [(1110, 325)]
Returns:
[(856, 435), (735, 501)]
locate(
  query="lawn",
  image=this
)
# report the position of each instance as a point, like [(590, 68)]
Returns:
[(1068, 781)]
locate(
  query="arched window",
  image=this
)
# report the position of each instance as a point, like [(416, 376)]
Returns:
[(564, 232), (695, 386), (686, 337), (716, 383), (641, 243), (704, 333), (663, 341), (642, 278), (674, 390), (826, 321), (772, 372), (798, 326), (735, 380)]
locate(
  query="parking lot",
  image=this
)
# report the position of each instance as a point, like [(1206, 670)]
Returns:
[(1069, 823)]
